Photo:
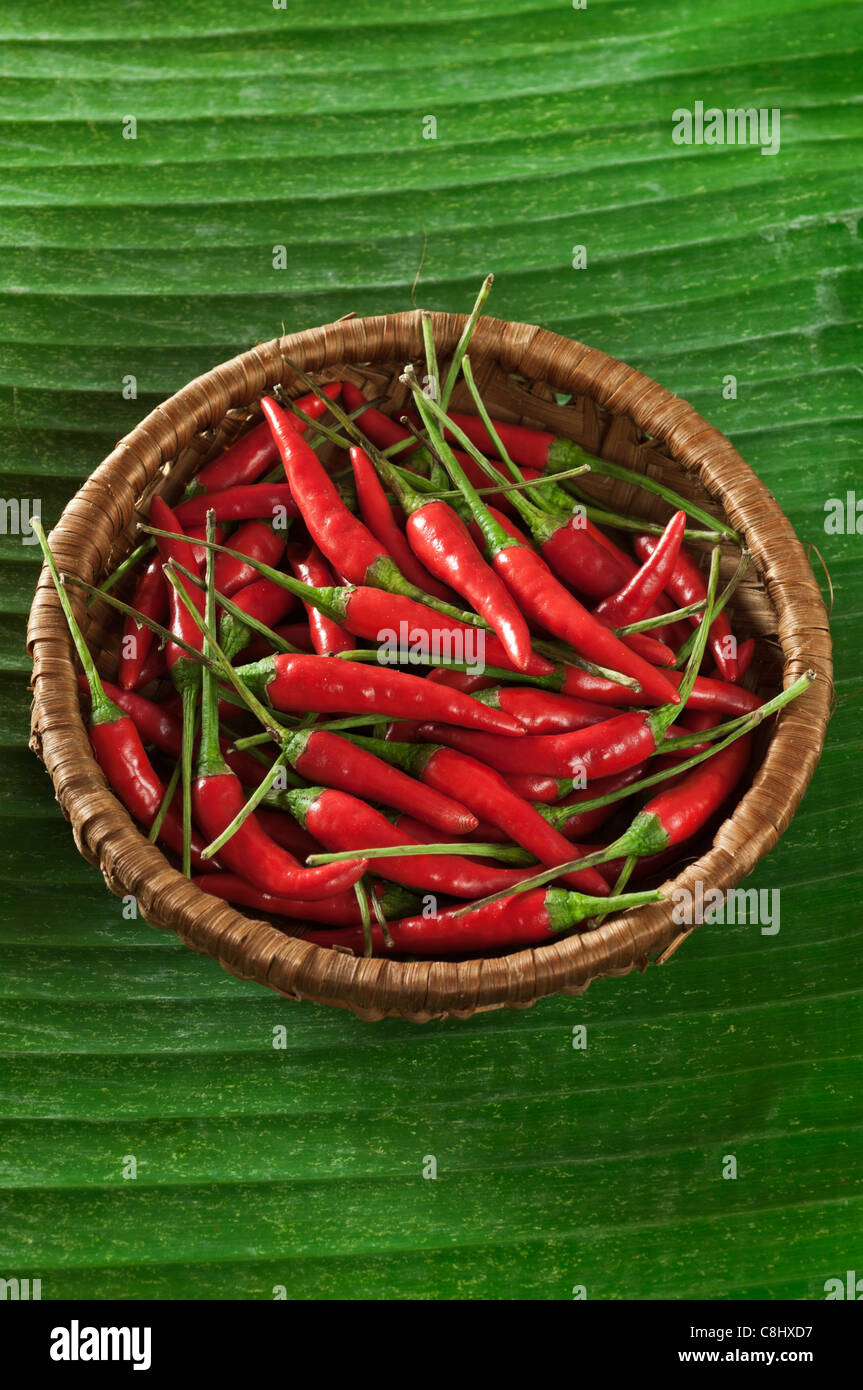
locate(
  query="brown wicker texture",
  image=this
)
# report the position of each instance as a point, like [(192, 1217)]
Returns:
[(615, 412)]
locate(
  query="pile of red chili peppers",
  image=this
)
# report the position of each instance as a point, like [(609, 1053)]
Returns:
[(392, 679)]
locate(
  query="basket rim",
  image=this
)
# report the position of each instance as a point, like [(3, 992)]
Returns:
[(377, 987)]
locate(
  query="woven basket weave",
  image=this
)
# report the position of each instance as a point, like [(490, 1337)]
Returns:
[(614, 412)]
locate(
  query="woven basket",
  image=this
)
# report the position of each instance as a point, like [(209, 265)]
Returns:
[(614, 412)]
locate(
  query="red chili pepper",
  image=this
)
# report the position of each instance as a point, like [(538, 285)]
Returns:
[(544, 711), (632, 602), (263, 600), (160, 725), (686, 585), (218, 799), (154, 723), (545, 601), (256, 539), (440, 539), (246, 460), (680, 811), (180, 622), (310, 567), (154, 668), (706, 693), (535, 786), (340, 536), (151, 599), (600, 751), (649, 648), (116, 742), (379, 428), (303, 683), (465, 681), (485, 793), (295, 634), (377, 514), (529, 919), (572, 823), (347, 765), (343, 822), (341, 910), (281, 827), (257, 501)]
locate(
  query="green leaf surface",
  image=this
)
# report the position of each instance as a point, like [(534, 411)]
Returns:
[(153, 257)]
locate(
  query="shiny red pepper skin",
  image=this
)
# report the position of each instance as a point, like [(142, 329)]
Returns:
[(302, 683), (343, 822), (180, 621), (634, 600), (256, 539), (487, 794), (682, 809), (259, 501), (216, 800), (161, 726), (341, 537), (440, 539), (263, 600), (281, 827), (335, 762), (649, 648), (686, 584), (130, 774), (706, 693), (545, 601), (154, 723), (340, 910), (544, 711), (310, 566), (526, 919), (377, 514), (151, 599), (600, 751), (256, 451), (371, 612), (379, 428)]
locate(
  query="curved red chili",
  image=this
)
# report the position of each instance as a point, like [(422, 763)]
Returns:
[(377, 514), (310, 567), (248, 503), (486, 793), (543, 711), (632, 602), (686, 584), (263, 600), (302, 683), (258, 541), (529, 919), (245, 461), (347, 765), (151, 599), (343, 822)]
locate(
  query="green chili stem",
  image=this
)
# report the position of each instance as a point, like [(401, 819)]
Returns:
[(122, 569), (222, 663), (167, 798), (101, 708), (399, 851), (431, 355), (464, 340), (245, 811), (742, 566), (647, 624), (647, 484)]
